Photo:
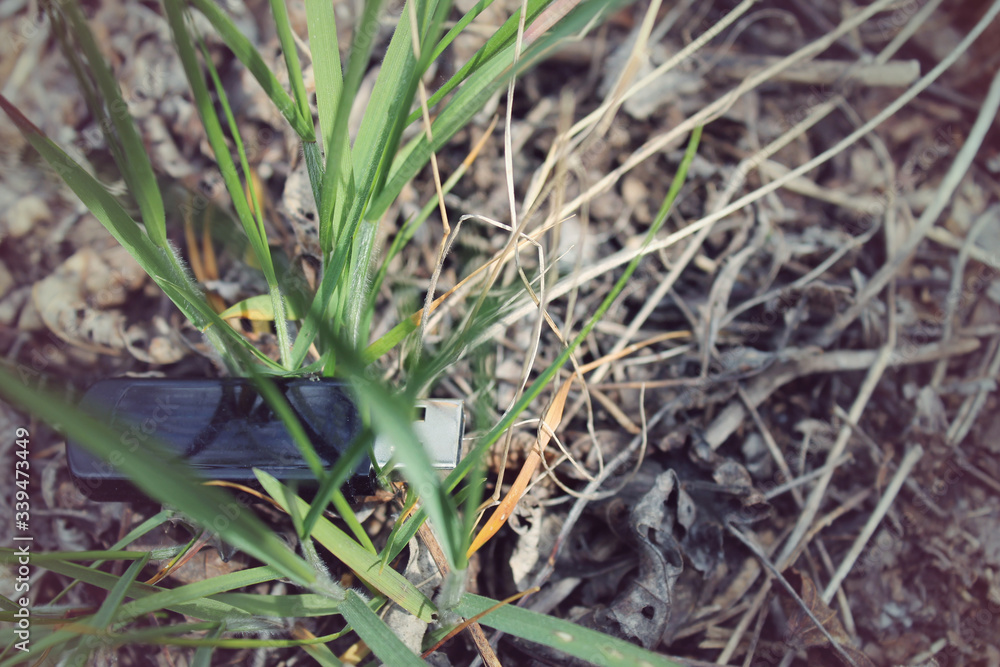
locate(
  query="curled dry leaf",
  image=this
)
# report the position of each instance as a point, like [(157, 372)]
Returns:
[(23, 214), (802, 631), (422, 571), (77, 303), (642, 611), (735, 478), (159, 344), (64, 303)]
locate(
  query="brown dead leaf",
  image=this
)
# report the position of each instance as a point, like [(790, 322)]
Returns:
[(155, 343), (803, 632), (205, 564), (62, 302)]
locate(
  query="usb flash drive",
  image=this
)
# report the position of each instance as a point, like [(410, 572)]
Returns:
[(224, 428)]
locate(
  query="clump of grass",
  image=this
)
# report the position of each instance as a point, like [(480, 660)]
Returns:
[(353, 183)]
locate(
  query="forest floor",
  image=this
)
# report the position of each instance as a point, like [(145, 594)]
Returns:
[(816, 386)]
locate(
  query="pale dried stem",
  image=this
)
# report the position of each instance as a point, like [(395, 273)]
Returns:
[(777, 576), (715, 109), (656, 144), (973, 405), (772, 446), (636, 56), (516, 231), (961, 164), (905, 467), (807, 362), (991, 216), (582, 128), (794, 543)]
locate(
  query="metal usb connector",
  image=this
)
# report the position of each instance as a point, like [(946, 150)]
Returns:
[(439, 426)]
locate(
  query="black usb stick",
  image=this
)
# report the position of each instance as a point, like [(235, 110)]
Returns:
[(224, 428)]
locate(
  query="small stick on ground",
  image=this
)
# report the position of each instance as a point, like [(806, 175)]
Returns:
[(905, 467), (762, 557)]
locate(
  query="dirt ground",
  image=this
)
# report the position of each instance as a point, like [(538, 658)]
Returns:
[(816, 393)]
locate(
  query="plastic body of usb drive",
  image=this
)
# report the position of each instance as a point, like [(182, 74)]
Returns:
[(224, 428)]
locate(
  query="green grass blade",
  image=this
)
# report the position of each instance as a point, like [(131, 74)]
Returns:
[(258, 237), (253, 223), (314, 166), (203, 654), (323, 44), (133, 162), (322, 655), (376, 634), (388, 101), (356, 291), (390, 415), (113, 602), (291, 54), (185, 600), (565, 636), (346, 513), (324, 47), (502, 38), (149, 524), (165, 636), (409, 74), (469, 99), (259, 307), (389, 340), (377, 143), (217, 612), (402, 532), (456, 344), (102, 619), (329, 490), (313, 317), (405, 234), (153, 470), (394, 336), (366, 565), (199, 590), (277, 402), (107, 209), (216, 139), (239, 348), (189, 600), (455, 31), (483, 82), (284, 606), (339, 175), (8, 556), (248, 55)]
